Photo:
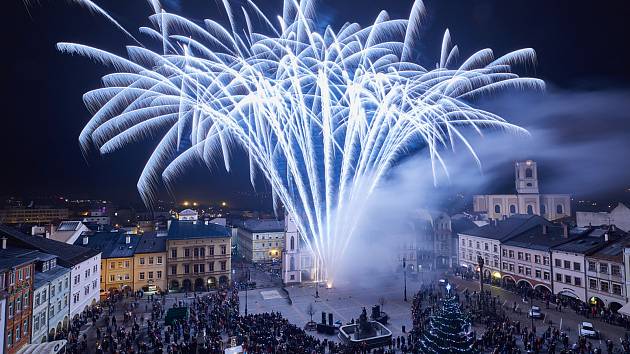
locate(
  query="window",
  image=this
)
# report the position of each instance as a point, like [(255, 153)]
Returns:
[(603, 268), (44, 295), (52, 291), (496, 263), (224, 249), (211, 267), (530, 210), (11, 309), (470, 243), (592, 284), (87, 273), (520, 269), (463, 242), (537, 259), (18, 304), (27, 297), (11, 278), (18, 330), (27, 271), (159, 274), (77, 279), (528, 271), (126, 264), (186, 268), (25, 327), (36, 324), (186, 252), (196, 252), (93, 284), (567, 279), (577, 266), (528, 257), (559, 277), (174, 253), (202, 268), (485, 246), (577, 281), (43, 318), (112, 265), (127, 276), (592, 267), (211, 250), (202, 252), (497, 209), (150, 275), (223, 265), (546, 260), (51, 311), (196, 268), (173, 270), (111, 278), (20, 275), (141, 275), (528, 173), (9, 338), (511, 267), (604, 286), (141, 260), (558, 263), (567, 265), (504, 253), (615, 270), (505, 265), (496, 248), (520, 255), (538, 273), (95, 268), (559, 209), (543, 209), (511, 254), (512, 209), (616, 289), (159, 260), (546, 276)]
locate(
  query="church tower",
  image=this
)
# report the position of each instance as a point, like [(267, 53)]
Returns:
[(526, 174)]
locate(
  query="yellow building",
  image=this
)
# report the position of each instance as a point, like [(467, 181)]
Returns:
[(199, 255), (261, 240), (149, 263), (117, 258)]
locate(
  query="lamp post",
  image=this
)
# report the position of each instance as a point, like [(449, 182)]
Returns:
[(249, 279), (405, 276), (480, 262)]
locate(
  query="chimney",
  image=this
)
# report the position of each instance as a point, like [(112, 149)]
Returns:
[(127, 239), (565, 230), (544, 229), (606, 237), (85, 240), (4, 243), (47, 234), (206, 222)]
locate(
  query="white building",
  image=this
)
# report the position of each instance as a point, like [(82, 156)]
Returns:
[(297, 261), (527, 199), (485, 242), (569, 262), (51, 306), (619, 216), (605, 274), (69, 231)]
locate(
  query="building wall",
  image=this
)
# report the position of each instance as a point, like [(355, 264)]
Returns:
[(84, 290), (153, 270), (531, 266), (260, 246), (117, 273), (60, 299), (19, 309), (498, 206), (217, 253), (620, 217), (605, 281), (565, 275), (41, 301), (291, 265), (32, 215), (471, 246)]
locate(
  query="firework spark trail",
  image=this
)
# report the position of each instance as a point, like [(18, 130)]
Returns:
[(323, 116)]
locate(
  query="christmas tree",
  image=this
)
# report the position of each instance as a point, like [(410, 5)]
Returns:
[(447, 332)]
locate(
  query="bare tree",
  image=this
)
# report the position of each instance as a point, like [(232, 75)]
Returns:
[(310, 310)]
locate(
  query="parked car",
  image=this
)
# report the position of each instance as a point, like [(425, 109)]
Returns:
[(587, 330), (534, 312)]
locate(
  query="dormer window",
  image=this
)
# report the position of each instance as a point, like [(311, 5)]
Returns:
[(53, 263)]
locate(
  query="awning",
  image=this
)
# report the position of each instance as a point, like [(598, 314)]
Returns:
[(625, 309), (53, 347)]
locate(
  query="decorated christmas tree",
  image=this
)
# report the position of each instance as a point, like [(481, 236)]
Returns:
[(448, 330)]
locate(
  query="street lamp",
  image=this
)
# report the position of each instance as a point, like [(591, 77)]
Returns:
[(480, 262), (405, 276), (247, 288)]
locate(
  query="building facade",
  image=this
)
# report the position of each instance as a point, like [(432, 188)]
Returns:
[(199, 255), (606, 277), (261, 240), (33, 215), (149, 263), (51, 299), (619, 217), (297, 261), (527, 199)]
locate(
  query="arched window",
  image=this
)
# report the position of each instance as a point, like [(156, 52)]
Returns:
[(497, 209), (292, 243), (292, 263), (512, 209), (529, 173), (543, 209), (530, 209), (559, 209)]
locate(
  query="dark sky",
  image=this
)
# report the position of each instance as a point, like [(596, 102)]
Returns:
[(581, 46)]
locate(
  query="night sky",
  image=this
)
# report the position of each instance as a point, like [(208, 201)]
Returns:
[(581, 46)]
